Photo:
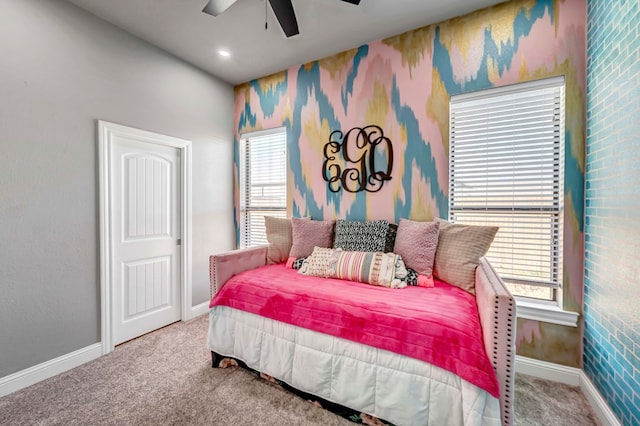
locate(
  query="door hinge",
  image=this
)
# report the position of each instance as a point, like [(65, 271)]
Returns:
[(179, 242)]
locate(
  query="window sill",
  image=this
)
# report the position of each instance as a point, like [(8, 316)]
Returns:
[(546, 313)]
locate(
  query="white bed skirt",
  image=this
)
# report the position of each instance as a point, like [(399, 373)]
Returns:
[(399, 389)]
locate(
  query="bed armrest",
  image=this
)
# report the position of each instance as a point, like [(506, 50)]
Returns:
[(223, 266), (497, 310)]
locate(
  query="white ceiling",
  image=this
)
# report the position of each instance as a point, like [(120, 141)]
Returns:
[(326, 27)]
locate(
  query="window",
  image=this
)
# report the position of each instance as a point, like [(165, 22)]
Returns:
[(263, 183), (506, 168)]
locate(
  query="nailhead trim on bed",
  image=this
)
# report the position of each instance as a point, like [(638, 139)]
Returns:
[(502, 343), (213, 287), (506, 417)]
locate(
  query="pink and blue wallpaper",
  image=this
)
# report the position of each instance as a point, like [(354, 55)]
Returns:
[(403, 84)]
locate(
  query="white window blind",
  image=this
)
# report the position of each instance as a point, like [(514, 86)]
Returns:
[(263, 183), (506, 168)]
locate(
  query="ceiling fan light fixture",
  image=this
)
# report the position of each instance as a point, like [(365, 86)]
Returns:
[(216, 7), (283, 9)]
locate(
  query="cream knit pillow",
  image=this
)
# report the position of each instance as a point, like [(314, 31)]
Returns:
[(318, 264)]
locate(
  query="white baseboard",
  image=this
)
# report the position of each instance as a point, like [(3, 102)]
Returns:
[(37, 373), (548, 370), (570, 376), (600, 406), (200, 309)]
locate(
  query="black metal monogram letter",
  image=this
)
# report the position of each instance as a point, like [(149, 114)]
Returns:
[(350, 159)]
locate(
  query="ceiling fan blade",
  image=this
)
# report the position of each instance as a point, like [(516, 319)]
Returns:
[(356, 2), (283, 10), (216, 7)]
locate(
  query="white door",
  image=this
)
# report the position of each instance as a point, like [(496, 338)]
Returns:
[(145, 236)]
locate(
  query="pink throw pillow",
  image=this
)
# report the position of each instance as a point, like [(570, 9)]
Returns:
[(307, 234), (416, 242), (425, 281)]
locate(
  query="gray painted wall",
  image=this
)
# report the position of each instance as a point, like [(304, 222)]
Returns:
[(61, 70)]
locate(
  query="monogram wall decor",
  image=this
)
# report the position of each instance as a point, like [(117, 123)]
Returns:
[(355, 160)]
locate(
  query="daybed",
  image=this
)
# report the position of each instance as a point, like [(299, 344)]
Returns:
[(267, 316)]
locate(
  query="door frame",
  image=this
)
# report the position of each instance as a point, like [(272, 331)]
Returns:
[(106, 131)]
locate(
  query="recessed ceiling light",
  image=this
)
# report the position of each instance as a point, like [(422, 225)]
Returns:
[(224, 53)]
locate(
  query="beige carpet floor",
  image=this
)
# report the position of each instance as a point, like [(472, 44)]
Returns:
[(165, 378)]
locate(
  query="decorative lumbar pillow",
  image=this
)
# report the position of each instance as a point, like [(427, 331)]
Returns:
[(376, 268), (352, 235), (460, 248), (318, 264), (416, 242), (307, 234), (279, 238)]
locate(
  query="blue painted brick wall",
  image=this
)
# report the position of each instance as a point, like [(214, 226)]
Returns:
[(612, 222)]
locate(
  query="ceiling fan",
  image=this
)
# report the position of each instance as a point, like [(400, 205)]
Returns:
[(283, 9)]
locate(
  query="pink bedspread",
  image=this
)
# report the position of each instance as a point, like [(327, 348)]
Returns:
[(439, 325)]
